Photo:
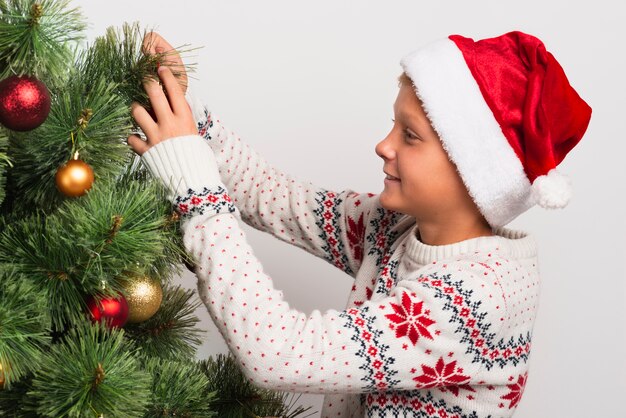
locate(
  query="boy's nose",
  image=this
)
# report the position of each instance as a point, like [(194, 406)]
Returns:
[(384, 149)]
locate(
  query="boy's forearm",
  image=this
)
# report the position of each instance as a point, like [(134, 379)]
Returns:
[(283, 348), (327, 224), (374, 347)]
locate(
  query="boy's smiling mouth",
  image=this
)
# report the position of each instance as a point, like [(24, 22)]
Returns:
[(391, 178)]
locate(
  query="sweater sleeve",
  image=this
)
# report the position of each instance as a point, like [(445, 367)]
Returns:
[(326, 223), (407, 340)]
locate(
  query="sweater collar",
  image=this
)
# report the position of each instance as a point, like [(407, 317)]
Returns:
[(514, 243)]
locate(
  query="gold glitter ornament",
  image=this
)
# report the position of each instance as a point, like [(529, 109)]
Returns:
[(144, 296)]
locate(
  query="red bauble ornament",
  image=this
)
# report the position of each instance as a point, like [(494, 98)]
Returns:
[(113, 310), (24, 103)]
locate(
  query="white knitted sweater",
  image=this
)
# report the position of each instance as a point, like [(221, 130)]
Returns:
[(429, 331)]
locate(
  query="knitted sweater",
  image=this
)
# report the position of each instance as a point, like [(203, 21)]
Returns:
[(428, 331)]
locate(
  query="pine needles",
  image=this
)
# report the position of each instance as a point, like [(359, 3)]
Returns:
[(172, 332), (178, 390), (36, 38), (23, 326), (119, 57), (38, 154), (237, 397), (92, 372), (55, 252), (94, 240)]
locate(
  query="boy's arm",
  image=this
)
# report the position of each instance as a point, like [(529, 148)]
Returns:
[(328, 224), (418, 337)]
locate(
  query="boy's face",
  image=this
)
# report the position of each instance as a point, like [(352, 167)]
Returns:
[(426, 184)]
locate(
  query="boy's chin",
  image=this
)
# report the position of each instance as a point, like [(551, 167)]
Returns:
[(388, 202)]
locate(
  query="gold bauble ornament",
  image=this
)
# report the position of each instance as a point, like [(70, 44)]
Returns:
[(74, 178), (144, 296)]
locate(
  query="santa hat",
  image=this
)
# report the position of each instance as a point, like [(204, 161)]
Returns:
[(506, 115)]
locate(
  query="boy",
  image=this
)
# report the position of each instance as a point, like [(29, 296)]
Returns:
[(440, 317)]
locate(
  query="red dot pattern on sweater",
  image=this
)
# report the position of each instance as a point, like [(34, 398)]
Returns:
[(286, 349)]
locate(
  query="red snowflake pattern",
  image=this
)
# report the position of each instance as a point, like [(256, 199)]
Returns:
[(443, 375), (517, 389), (409, 320), (356, 236)]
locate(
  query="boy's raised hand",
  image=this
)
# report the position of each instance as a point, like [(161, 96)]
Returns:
[(153, 44), (174, 116)]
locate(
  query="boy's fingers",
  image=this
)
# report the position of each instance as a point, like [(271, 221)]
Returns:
[(160, 104), (137, 144), (172, 58), (174, 92), (144, 120), (151, 42)]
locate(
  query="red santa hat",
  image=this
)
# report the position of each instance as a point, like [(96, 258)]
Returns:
[(506, 115)]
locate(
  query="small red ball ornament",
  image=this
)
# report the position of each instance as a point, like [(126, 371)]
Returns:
[(24, 103), (114, 311)]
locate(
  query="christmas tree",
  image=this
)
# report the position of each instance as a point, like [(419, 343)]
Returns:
[(90, 321)]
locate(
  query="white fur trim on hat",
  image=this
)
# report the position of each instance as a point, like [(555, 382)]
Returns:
[(552, 191), (469, 132)]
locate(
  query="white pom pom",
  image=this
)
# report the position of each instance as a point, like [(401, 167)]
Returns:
[(552, 191)]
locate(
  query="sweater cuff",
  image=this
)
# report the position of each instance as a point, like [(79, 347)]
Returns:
[(204, 118), (187, 167)]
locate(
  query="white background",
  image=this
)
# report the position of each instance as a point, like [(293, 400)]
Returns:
[(311, 86)]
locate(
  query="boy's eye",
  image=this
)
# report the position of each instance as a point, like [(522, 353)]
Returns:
[(409, 136), (407, 133)]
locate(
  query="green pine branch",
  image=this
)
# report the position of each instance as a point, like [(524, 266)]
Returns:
[(87, 117), (119, 57), (237, 397), (122, 227), (172, 332), (36, 38), (90, 114), (55, 251), (33, 247), (15, 403), (24, 326), (178, 390), (93, 240), (93, 371)]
